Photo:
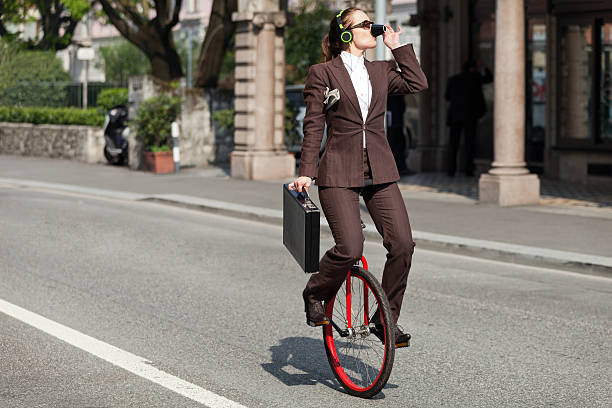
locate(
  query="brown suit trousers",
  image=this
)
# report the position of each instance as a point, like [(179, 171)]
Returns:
[(388, 211)]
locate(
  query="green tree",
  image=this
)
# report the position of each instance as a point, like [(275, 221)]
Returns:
[(217, 43), (111, 97), (303, 39), (33, 78), (148, 25), (58, 20), (12, 12), (226, 73), (122, 60)]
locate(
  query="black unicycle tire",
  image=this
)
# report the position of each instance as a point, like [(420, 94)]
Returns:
[(367, 390)]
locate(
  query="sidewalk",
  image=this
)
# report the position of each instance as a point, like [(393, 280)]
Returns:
[(572, 230)]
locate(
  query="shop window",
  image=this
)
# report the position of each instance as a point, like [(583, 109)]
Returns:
[(597, 169)]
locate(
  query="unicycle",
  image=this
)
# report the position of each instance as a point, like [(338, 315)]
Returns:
[(360, 361)]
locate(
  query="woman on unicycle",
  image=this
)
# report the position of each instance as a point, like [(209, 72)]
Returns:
[(357, 160)]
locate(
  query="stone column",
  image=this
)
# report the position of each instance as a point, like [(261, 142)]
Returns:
[(260, 152), (576, 85), (509, 182)]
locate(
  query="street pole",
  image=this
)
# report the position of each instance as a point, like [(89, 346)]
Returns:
[(85, 84), (85, 54), (189, 57), (381, 18), (176, 155)]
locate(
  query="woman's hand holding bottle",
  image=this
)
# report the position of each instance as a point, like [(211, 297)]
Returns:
[(392, 38)]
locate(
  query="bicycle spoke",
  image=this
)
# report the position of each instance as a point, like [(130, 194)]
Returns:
[(367, 368), (374, 350)]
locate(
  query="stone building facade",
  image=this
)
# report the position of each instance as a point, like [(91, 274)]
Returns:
[(567, 61)]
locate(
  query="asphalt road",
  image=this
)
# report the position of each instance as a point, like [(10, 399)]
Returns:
[(216, 302)]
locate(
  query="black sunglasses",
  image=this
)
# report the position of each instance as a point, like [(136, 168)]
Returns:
[(364, 24)]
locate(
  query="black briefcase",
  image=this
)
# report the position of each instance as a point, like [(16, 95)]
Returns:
[(301, 227)]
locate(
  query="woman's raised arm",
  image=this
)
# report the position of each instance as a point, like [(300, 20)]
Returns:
[(411, 78)]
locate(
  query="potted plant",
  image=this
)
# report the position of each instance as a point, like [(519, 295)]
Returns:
[(153, 127)]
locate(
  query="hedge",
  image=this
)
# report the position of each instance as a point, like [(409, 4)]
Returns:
[(51, 116), (111, 97), (33, 78)]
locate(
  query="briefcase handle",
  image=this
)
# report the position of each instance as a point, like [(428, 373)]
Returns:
[(303, 196), (303, 193)]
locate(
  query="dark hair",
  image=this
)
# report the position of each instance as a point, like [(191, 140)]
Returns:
[(332, 45)]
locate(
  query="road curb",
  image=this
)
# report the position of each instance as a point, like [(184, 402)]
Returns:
[(513, 253)]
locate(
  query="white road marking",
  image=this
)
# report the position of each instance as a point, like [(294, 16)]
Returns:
[(121, 358)]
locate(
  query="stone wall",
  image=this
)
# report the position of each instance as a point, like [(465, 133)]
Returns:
[(82, 143), (201, 142), (197, 137)]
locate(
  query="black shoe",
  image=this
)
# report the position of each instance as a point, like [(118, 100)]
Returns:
[(401, 339), (315, 314)]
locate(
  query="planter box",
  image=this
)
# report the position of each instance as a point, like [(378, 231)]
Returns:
[(158, 162)]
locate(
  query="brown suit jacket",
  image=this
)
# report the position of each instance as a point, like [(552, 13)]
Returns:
[(341, 164)]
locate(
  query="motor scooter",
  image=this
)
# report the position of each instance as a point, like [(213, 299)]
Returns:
[(116, 133)]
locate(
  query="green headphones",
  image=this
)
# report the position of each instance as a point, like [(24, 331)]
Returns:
[(345, 35)]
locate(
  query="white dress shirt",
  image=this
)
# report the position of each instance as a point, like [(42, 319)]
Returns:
[(361, 82)]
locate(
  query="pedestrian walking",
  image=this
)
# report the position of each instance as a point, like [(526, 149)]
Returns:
[(357, 157), (467, 105)]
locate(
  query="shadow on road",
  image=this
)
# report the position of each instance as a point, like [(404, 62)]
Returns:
[(302, 361)]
